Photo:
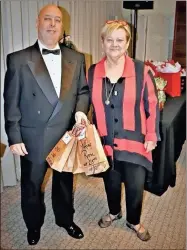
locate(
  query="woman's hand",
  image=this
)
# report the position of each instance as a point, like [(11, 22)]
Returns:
[(150, 145), (81, 122)]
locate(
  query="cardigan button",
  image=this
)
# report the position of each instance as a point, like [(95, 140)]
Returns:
[(116, 120), (112, 106)]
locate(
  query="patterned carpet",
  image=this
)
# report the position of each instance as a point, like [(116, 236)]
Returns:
[(164, 216)]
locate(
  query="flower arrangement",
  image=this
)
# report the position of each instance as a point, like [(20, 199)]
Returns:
[(66, 41)]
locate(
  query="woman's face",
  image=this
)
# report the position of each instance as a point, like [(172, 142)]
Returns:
[(115, 44)]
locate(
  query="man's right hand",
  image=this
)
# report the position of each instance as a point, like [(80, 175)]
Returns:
[(19, 149)]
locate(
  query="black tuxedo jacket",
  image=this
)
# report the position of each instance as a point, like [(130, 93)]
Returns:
[(34, 114)]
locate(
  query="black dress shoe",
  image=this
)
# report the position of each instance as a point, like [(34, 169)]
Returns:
[(33, 236), (74, 231)]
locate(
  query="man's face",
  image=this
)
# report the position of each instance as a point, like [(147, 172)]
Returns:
[(49, 25)]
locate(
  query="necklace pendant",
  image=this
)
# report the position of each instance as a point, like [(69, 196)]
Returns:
[(107, 102)]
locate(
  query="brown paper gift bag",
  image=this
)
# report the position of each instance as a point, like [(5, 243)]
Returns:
[(57, 158), (91, 153), (78, 167), (69, 166)]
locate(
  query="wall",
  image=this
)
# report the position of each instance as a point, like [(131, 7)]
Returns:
[(155, 30), (165, 7)]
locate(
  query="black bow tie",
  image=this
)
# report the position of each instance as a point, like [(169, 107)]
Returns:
[(48, 51)]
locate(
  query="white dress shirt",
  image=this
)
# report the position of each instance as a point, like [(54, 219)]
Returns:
[(53, 64)]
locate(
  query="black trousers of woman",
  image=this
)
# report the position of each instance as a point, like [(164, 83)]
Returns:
[(133, 177)]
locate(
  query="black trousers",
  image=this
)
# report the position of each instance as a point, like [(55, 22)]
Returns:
[(133, 177), (32, 197)]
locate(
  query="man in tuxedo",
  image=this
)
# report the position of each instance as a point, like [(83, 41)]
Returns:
[(45, 95)]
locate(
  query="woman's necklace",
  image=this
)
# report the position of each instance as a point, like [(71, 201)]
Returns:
[(107, 101)]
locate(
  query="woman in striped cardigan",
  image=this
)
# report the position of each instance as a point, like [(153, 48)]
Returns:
[(126, 114)]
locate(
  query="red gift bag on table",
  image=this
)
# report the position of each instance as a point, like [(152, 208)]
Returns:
[(153, 67), (173, 87)]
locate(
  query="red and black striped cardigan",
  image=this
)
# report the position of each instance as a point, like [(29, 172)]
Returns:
[(139, 114)]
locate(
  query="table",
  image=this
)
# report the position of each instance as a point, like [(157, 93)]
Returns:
[(173, 135)]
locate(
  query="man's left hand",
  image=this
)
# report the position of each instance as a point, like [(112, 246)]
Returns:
[(150, 145), (81, 122)]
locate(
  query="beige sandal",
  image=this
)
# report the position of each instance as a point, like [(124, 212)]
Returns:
[(107, 220), (144, 236)]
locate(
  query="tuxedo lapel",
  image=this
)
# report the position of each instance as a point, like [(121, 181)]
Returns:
[(68, 72), (41, 74)]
